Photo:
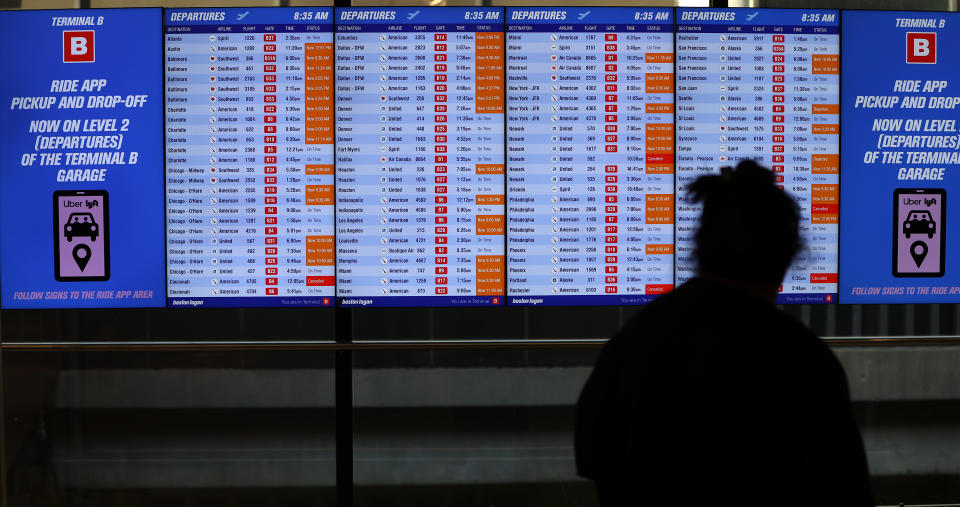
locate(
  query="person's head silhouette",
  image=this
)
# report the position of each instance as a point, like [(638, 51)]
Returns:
[(749, 230)]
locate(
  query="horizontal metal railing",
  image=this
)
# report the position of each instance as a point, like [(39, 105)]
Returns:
[(330, 345)]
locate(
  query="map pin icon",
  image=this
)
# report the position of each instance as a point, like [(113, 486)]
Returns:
[(918, 250), (81, 254)]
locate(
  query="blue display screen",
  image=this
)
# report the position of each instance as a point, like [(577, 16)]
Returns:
[(81, 189), (420, 156), (764, 85), (901, 93), (249, 173), (464, 156), (590, 140)]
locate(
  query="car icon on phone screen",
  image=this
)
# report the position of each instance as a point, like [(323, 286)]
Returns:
[(81, 224), (919, 222)]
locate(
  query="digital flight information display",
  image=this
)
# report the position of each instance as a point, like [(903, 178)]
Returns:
[(590, 162), (764, 85), (464, 156), (420, 156), (249, 157)]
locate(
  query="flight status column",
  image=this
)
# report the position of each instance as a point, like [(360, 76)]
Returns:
[(764, 85), (420, 156), (249, 157), (590, 155)]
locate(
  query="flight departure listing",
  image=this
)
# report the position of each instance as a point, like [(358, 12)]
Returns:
[(249, 157), (420, 188), (763, 84), (589, 155)]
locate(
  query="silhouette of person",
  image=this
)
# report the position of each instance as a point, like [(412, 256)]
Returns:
[(713, 396)]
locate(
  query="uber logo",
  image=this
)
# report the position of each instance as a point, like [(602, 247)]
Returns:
[(78, 46), (921, 47)]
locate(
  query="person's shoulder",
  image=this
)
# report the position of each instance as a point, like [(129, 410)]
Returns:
[(797, 333), (703, 301), (688, 296), (793, 327), (675, 312), (798, 346)]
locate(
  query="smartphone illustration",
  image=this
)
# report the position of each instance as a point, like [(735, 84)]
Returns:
[(919, 231), (81, 235)]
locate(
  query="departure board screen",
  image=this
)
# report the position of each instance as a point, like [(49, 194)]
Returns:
[(420, 163), (249, 157), (589, 155), (764, 85)]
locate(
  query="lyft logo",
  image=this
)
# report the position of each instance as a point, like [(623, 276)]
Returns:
[(921, 47), (78, 46)]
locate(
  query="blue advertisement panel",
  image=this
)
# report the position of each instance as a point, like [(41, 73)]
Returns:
[(81, 170), (901, 147)]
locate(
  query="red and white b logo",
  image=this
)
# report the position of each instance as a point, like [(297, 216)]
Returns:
[(78, 46), (921, 47)]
